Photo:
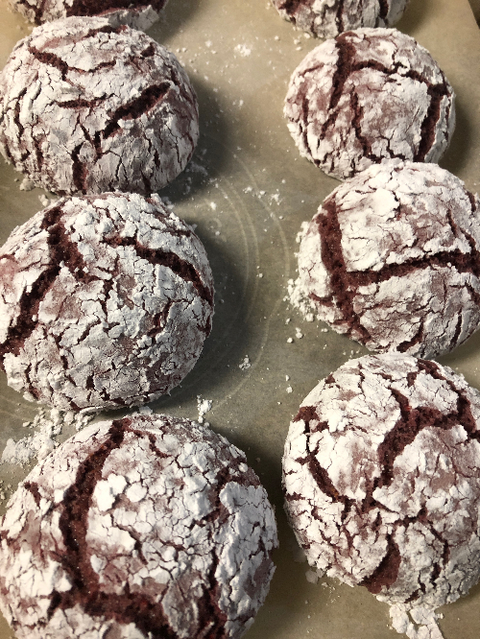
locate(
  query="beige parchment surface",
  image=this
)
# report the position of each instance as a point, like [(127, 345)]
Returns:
[(247, 191)]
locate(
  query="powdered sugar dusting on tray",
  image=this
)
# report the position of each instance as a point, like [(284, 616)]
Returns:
[(47, 425)]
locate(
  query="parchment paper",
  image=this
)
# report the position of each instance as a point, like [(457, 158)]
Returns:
[(248, 191)]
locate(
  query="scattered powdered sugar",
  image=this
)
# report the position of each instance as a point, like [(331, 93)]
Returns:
[(297, 293), (416, 623), (243, 50), (48, 425), (297, 296)]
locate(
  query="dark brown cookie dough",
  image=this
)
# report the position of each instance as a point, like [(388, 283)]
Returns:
[(392, 259), (366, 96), (105, 301), (328, 18), (382, 484), (138, 14), (89, 108), (146, 526)]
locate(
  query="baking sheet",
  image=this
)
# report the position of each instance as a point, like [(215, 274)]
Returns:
[(247, 191)]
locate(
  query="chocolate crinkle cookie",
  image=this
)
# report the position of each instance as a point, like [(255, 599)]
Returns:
[(141, 527), (88, 108), (382, 486), (328, 18), (392, 259), (137, 14), (368, 95), (105, 301)]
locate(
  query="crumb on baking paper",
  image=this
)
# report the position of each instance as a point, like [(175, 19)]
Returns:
[(203, 406), (245, 363), (243, 50), (46, 201), (312, 576), (26, 184)]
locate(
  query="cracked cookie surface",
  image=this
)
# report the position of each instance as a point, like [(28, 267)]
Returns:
[(139, 15), (105, 301), (392, 259), (86, 107), (369, 95), (382, 481), (146, 526), (328, 18)]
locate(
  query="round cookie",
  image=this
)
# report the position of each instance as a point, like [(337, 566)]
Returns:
[(369, 95), (392, 259), (146, 526), (328, 18), (381, 480), (105, 301), (139, 15), (88, 108)]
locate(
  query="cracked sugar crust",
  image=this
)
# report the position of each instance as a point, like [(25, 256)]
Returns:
[(146, 526), (392, 259), (86, 107), (382, 481), (368, 95), (105, 301), (329, 18), (140, 15)]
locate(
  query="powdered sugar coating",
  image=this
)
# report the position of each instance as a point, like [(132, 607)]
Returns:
[(328, 18), (139, 15), (392, 259), (105, 301), (146, 526), (381, 479), (88, 108), (367, 95)]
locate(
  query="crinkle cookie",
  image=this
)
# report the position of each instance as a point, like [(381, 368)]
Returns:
[(105, 301), (87, 108), (138, 14), (328, 18), (392, 259), (382, 485), (368, 95), (146, 526)]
